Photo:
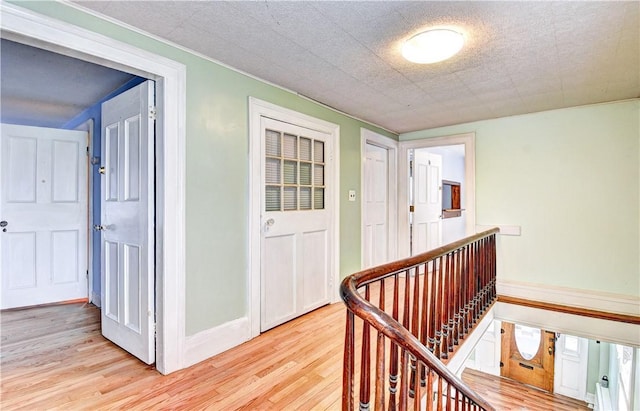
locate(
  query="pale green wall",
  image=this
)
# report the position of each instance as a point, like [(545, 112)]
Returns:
[(217, 172), (570, 178)]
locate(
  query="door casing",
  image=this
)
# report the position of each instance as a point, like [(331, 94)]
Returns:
[(257, 110), (21, 25)]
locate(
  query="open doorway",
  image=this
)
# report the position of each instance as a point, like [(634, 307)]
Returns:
[(51, 95), (33, 29), (46, 167), (429, 170)]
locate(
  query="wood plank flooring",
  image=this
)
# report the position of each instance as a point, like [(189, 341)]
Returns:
[(505, 394), (55, 358)]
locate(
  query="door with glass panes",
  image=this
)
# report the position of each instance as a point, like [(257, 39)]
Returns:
[(296, 221)]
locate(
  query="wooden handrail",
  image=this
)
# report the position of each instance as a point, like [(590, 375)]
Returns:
[(432, 302)]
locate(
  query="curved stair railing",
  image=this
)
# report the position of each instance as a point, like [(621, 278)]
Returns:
[(404, 318)]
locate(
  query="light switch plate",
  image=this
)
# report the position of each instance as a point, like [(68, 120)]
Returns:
[(352, 195)]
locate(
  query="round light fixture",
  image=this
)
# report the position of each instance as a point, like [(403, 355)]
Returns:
[(432, 46)]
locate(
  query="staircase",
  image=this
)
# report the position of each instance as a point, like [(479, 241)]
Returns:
[(406, 318)]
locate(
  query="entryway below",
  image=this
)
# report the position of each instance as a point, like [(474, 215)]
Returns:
[(506, 394)]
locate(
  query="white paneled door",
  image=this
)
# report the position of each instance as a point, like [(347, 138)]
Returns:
[(427, 201), (376, 206), (296, 236), (571, 362), (43, 215), (127, 221)]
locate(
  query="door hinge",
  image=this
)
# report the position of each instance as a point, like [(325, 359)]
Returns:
[(501, 330), (411, 208), (152, 112), (88, 154), (87, 273), (501, 364)]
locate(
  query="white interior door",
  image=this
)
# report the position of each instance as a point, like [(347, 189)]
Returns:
[(427, 201), (571, 362), (296, 250), (375, 206), (127, 221), (43, 209)]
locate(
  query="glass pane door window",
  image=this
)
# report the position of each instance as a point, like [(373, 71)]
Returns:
[(294, 172)]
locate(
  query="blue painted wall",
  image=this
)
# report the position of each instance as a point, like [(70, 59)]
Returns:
[(94, 113)]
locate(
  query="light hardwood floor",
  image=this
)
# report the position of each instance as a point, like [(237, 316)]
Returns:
[(55, 358)]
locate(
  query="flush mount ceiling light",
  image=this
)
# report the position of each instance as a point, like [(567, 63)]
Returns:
[(432, 46)]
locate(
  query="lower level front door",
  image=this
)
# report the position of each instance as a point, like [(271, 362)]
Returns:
[(528, 355)]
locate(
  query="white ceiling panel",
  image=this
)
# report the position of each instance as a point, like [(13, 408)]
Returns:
[(519, 56)]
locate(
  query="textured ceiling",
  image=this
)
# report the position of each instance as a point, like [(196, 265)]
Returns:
[(46, 89), (519, 57)]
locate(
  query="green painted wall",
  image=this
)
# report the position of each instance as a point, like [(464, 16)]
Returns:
[(571, 179), (217, 181)]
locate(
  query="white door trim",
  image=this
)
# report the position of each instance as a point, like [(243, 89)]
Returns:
[(370, 137), (469, 141), (88, 127), (257, 109), (30, 28)]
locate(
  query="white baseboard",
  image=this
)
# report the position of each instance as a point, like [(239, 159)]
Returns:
[(594, 300), (208, 343)]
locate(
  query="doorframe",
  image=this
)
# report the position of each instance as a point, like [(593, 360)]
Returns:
[(258, 109), (88, 127), (369, 137), (30, 28), (469, 142)]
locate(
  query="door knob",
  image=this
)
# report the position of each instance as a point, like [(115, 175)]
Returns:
[(268, 224)]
